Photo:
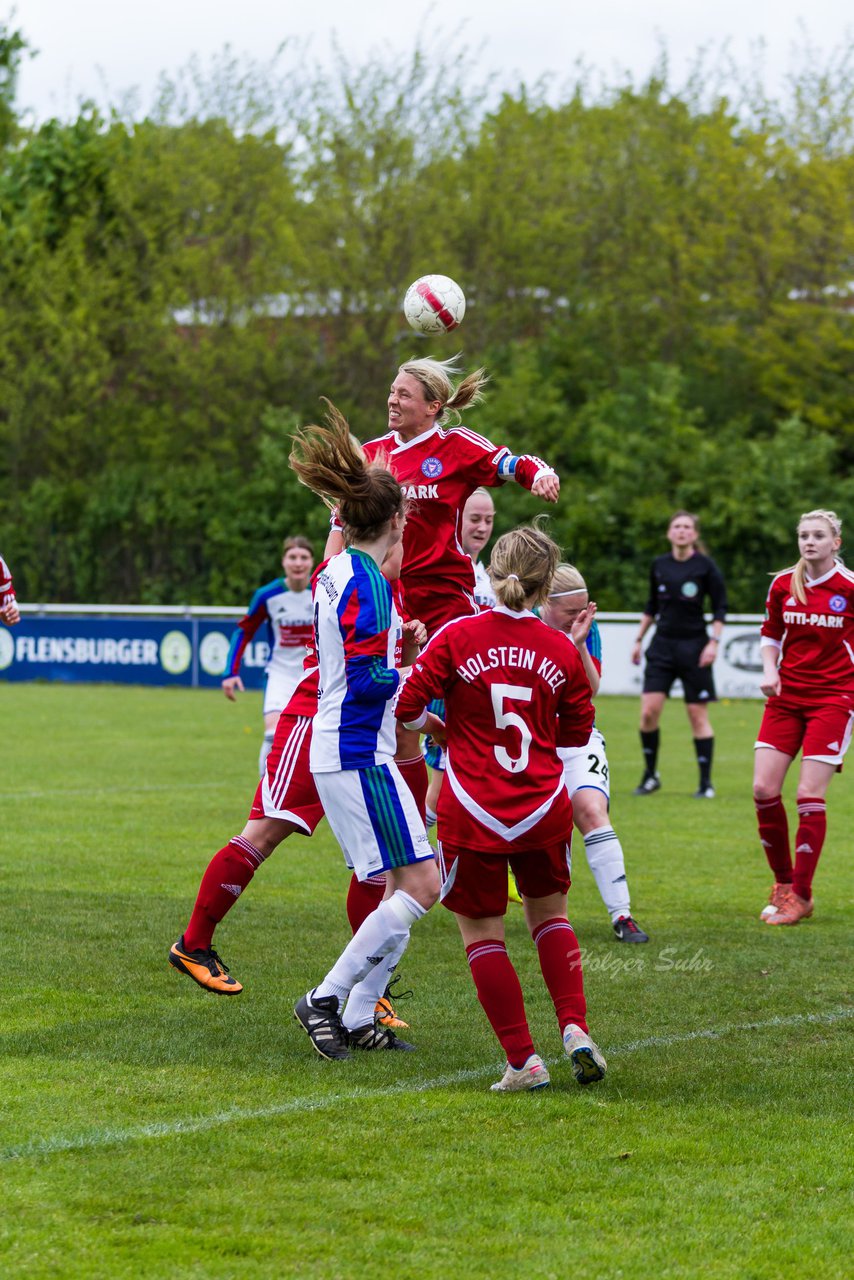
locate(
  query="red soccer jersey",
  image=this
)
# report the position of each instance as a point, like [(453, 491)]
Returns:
[(816, 638), (514, 689), (439, 472), (7, 588)]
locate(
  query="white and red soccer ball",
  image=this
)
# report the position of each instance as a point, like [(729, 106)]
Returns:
[(434, 304)]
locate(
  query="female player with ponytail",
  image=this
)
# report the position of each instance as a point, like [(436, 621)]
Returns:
[(439, 463), (808, 660), (515, 689), (369, 806)]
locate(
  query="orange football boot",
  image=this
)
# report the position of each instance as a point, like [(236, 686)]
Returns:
[(205, 968), (793, 909), (776, 898)]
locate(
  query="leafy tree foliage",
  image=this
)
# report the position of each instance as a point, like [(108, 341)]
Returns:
[(659, 281)]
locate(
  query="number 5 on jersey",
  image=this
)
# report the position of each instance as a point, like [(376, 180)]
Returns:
[(510, 720)]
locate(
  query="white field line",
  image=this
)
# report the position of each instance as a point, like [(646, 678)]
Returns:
[(236, 1115)]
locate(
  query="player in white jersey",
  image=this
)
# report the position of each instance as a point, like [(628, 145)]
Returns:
[(368, 804), (475, 532), (284, 605), (585, 769)]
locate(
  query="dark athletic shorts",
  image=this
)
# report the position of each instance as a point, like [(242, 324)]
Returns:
[(668, 659), (475, 884)]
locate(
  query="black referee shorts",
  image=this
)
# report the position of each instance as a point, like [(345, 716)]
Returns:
[(668, 659)]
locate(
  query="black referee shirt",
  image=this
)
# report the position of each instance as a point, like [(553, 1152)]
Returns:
[(677, 590)]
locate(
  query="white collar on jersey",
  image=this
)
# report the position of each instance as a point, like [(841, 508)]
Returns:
[(419, 439), (816, 582), (511, 613)]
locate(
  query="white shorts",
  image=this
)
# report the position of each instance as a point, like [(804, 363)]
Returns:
[(586, 766), (374, 819), (279, 689)]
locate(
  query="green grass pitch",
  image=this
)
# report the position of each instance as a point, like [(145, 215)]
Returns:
[(148, 1129)]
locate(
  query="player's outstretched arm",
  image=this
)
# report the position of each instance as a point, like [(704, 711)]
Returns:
[(531, 473), (547, 487)]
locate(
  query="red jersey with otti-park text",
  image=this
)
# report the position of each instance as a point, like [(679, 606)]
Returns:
[(816, 638), (514, 689)]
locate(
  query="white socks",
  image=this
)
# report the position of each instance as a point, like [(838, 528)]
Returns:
[(605, 856), (386, 930), (364, 996)]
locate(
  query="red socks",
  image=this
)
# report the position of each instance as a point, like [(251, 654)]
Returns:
[(812, 828), (560, 961), (774, 835), (414, 774), (363, 897), (229, 872), (500, 994)]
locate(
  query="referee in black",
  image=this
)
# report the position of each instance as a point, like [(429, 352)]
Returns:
[(681, 648)]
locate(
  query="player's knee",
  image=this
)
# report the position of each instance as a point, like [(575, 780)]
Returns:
[(426, 887), (808, 793), (589, 810)]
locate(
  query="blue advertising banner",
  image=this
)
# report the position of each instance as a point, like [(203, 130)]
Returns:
[(211, 644), (160, 651), (189, 646)]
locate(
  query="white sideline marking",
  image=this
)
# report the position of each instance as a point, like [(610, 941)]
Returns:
[(172, 1128)]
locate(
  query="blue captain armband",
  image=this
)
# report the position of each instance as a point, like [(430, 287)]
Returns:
[(507, 465)]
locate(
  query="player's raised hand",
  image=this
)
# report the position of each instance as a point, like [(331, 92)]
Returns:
[(580, 629), (415, 632), (547, 487), (231, 686)]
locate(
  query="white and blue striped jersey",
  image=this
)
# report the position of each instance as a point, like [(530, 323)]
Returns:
[(357, 632)]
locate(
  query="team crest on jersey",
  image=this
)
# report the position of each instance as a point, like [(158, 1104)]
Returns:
[(432, 468), (837, 603), (689, 590)]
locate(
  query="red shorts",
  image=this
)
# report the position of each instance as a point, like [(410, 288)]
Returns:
[(475, 884), (287, 789), (823, 732), (435, 601)]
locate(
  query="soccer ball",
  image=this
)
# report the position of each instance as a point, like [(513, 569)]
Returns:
[(434, 304)]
